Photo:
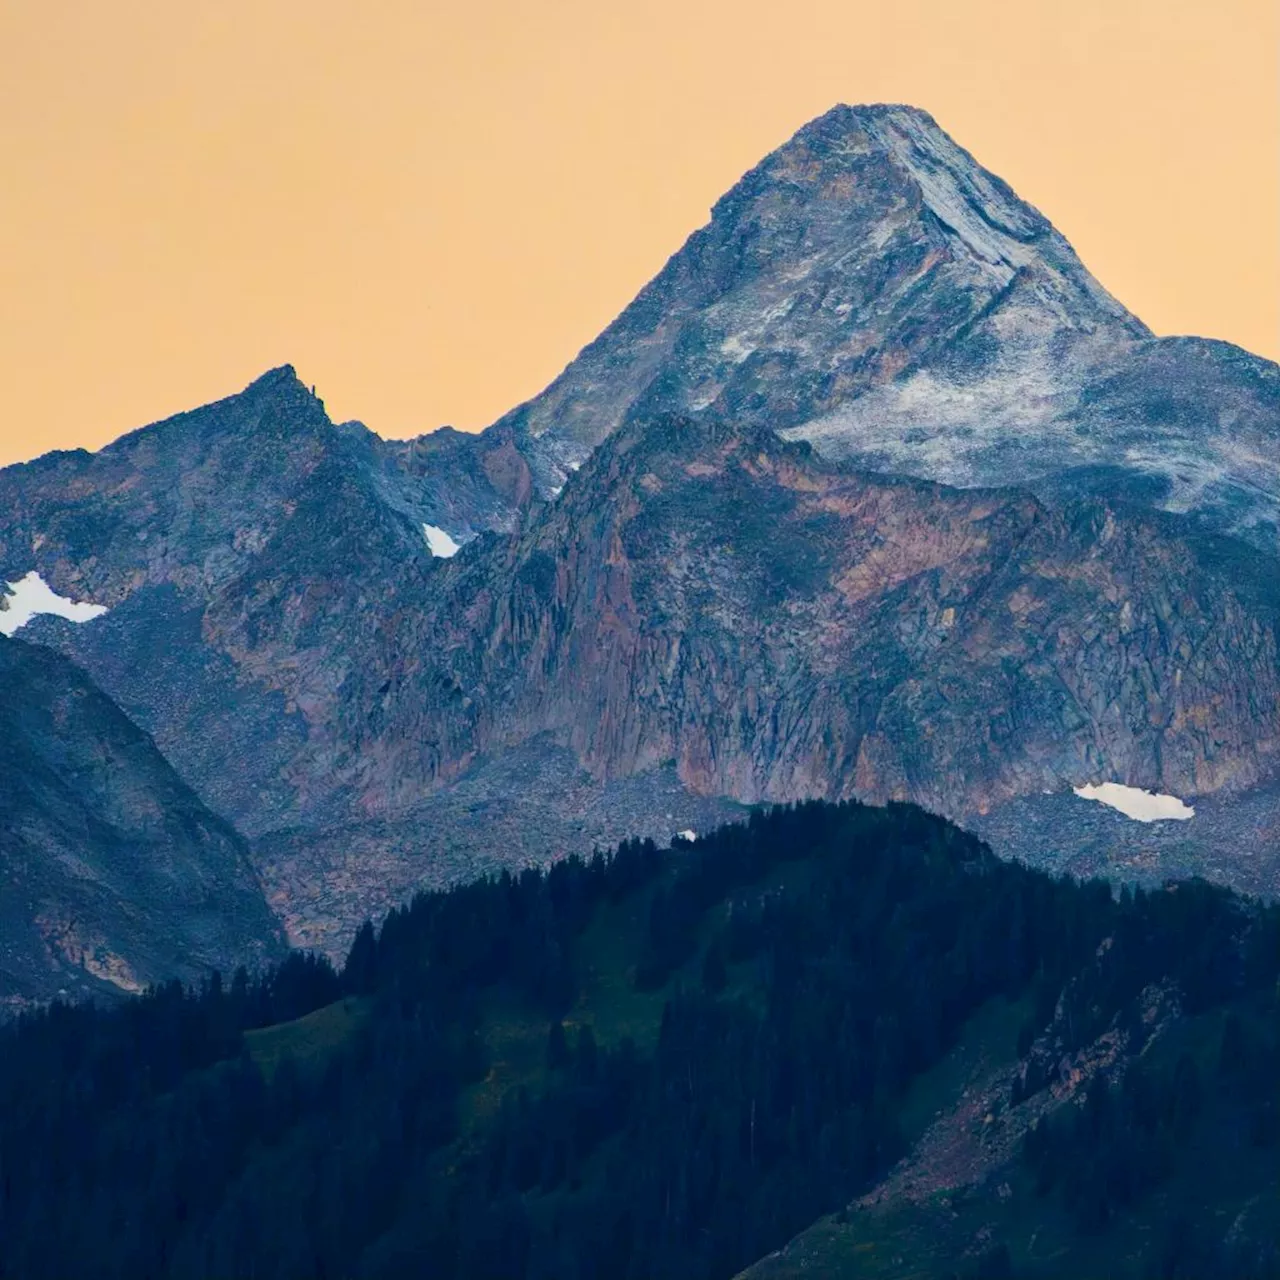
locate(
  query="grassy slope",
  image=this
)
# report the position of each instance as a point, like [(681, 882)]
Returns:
[(903, 1238), (308, 1040), (942, 1232)]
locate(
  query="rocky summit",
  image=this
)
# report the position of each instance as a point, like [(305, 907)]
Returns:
[(872, 492), (871, 288)]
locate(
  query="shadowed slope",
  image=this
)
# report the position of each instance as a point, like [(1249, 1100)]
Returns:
[(114, 874)]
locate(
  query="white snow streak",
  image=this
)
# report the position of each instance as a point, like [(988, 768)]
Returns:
[(688, 834), (441, 543), (1142, 806), (32, 595)]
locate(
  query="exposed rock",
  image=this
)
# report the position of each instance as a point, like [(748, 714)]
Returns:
[(112, 873), (781, 627), (653, 590), (246, 554), (519, 808), (871, 288)]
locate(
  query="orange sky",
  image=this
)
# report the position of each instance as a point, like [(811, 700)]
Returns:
[(428, 207)]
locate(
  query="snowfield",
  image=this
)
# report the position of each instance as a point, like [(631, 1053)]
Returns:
[(32, 595), (441, 543), (1141, 806)]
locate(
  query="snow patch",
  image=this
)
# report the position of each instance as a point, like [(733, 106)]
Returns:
[(440, 543), (687, 834), (1141, 806), (32, 595), (951, 430)]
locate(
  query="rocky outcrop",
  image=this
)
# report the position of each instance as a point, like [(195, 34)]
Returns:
[(782, 627), (112, 873)]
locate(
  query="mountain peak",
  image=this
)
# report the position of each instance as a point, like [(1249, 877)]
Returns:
[(281, 377), (282, 384), (847, 117), (902, 149), (276, 405), (868, 246)]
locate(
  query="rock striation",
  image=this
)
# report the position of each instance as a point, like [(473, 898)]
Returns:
[(780, 626)]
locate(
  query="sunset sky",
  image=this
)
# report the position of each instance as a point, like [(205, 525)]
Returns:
[(429, 207)]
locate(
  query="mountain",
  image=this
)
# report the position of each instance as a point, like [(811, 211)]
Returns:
[(867, 247), (871, 288), (780, 626), (847, 1028), (872, 492), (229, 546), (243, 565), (771, 625), (113, 875)]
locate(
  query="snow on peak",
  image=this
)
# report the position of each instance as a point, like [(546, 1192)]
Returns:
[(1142, 806), (32, 595), (441, 543)]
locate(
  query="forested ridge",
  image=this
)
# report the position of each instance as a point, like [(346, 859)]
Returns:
[(658, 1063)]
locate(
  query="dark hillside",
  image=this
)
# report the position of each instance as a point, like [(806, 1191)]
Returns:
[(113, 874), (662, 1064)]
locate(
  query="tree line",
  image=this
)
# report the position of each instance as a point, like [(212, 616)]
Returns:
[(806, 966)]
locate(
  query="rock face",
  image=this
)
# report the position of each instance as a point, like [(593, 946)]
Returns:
[(245, 552), (112, 872), (873, 491), (780, 626)]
